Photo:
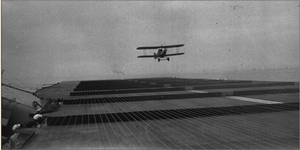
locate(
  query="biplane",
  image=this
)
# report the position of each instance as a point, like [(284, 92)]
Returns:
[(161, 52)]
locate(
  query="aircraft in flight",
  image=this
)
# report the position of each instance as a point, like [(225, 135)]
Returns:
[(161, 52)]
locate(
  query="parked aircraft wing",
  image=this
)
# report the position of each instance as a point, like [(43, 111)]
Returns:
[(174, 54)]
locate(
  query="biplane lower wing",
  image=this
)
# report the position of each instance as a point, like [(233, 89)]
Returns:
[(149, 56), (174, 54), (156, 47), (146, 56)]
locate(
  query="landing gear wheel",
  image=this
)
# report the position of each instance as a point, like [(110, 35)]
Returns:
[(168, 59), (158, 60)]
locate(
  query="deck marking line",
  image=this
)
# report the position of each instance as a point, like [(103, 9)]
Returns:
[(254, 100), (196, 91)]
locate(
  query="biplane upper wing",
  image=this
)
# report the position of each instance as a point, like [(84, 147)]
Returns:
[(174, 54), (146, 56), (148, 47), (156, 47), (172, 46)]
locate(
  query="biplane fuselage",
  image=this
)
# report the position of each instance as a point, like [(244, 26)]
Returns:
[(161, 52)]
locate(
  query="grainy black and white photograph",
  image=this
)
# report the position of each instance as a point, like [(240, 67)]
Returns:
[(150, 74)]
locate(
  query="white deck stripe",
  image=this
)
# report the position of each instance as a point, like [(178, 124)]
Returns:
[(196, 91), (254, 100)]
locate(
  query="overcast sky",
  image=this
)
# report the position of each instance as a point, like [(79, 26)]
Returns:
[(53, 41)]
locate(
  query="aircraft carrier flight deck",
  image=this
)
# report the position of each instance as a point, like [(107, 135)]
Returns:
[(170, 113)]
